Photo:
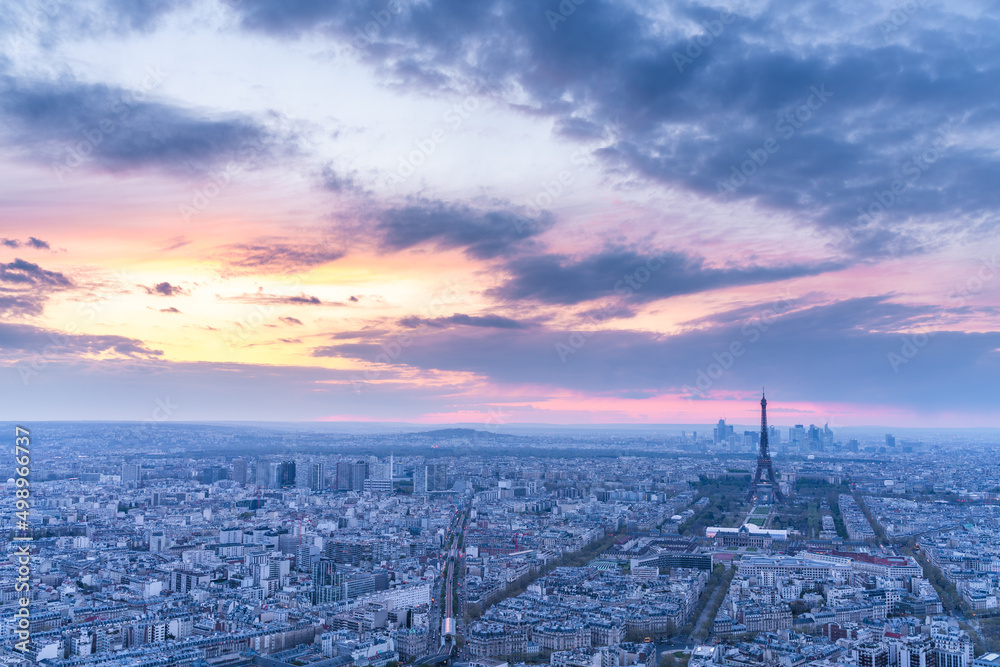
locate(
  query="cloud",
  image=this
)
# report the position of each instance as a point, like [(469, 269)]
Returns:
[(169, 310), (693, 92), (626, 273), (25, 273), (25, 288), (67, 124), (364, 333), (836, 352), (489, 321), (32, 242), (483, 234), (278, 299), (175, 243), (292, 321), (164, 289), (16, 304), (25, 343), (335, 180), (93, 18), (285, 257)]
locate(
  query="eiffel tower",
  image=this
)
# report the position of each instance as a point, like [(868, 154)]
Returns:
[(764, 467)]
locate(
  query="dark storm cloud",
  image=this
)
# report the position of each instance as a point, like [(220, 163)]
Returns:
[(556, 279), (838, 352), (887, 120), (488, 321), (483, 234), (66, 124)]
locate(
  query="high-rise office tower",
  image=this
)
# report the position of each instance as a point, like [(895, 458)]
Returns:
[(344, 473), (213, 474), (240, 471), (420, 479), (438, 472), (131, 473), (359, 473), (430, 477), (263, 473), (317, 476), (721, 432), (285, 475)]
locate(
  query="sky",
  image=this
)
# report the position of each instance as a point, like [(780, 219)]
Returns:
[(500, 211)]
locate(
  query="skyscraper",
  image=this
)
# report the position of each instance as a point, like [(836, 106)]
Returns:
[(131, 473), (359, 473), (317, 476), (263, 472), (721, 432), (240, 471), (430, 477), (285, 475), (343, 480)]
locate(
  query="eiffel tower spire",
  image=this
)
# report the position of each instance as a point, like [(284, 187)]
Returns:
[(764, 466)]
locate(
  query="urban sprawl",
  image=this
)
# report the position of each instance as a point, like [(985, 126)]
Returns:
[(227, 545)]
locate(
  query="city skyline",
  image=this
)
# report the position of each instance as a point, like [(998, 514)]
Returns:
[(499, 213)]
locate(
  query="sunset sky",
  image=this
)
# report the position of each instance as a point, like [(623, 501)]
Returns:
[(493, 211)]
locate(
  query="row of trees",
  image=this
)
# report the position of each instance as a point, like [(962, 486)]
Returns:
[(570, 559)]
